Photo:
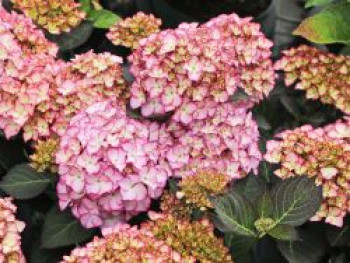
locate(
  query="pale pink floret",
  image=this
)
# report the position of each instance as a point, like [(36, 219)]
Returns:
[(115, 168), (322, 154), (10, 230), (196, 62)]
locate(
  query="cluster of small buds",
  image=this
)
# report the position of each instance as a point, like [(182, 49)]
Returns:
[(125, 244), (19, 37), (197, 188), (195, 241), (196, 63), (110, 165), (10, 229), (322, 75), (223, 137), (56, 16), (130, 31), (173, 205), (322, 154), (44, 157)]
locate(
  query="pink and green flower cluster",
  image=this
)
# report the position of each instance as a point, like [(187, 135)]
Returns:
[(322, 75), (110, 165), (86, 79), (56, 16), (124, 243), (130, 31), (222, 136), (39, 94), (195, 63), (322, 154)]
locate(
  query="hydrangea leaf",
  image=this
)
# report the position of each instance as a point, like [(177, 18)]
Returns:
[(311, 3), (75, 38), (331, 25), (23, 182), (239, 245), (295, 200), (251, 187), (265, 205), (338, 236), (85, 5), (103, 18), (235, 213), (284, 232), (62, 229), (309, 249)]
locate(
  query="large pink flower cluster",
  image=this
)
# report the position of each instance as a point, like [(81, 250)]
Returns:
[(111, 166), (10, 229), (322, 154), (24, 80), (199, 62), (18, 35), (125, 244), (75, 85), (24, 84), (40, 95), (217, 136)]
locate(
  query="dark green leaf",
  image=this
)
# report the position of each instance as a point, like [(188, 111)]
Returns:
[(291, 106), (284, 232), (85, 5), (266, 251), (262, 122), (309, 250), (311, 3), (23, 182), (103, 18), (73, 39), (11, 153), (235, 213), (265, 206), (266, 171), (250, 187), (345, 51), (62, 229), (295, 200), (40, 255), (240, 95), (331, 25), (342, 258), (338, 236), (239, 245)]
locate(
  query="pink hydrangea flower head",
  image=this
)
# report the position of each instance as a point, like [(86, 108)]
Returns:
[(10, 229), (322, 154), (194, 63), (322, 75), (19, 32), (24, 77), (130, 31), (111, 166), (216, 136), (65, 89), (125, 244), (25, 84)]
